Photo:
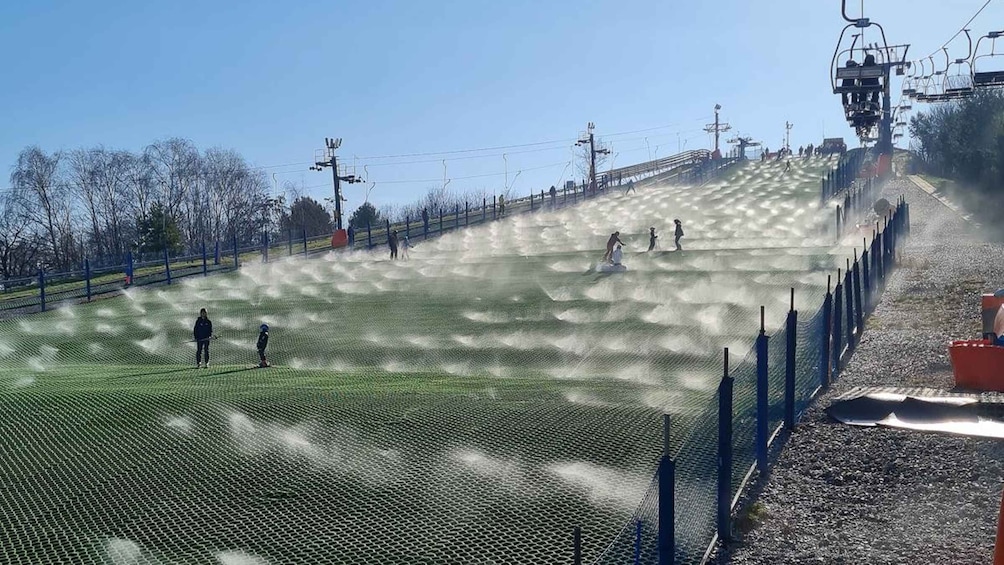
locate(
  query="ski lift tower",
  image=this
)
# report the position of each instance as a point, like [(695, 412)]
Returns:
[(743, 143)]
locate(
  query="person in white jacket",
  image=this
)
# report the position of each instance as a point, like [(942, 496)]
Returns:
[(617, 255)]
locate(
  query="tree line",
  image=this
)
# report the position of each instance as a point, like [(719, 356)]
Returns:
[(964, 141), (101, 203)]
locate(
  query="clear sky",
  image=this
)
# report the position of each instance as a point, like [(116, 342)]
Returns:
[(395, 77)]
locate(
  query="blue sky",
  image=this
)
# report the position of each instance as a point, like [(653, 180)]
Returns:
[(273, 79)]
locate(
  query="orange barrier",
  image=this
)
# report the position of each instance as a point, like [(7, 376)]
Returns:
[(339, 239), (977, 364)]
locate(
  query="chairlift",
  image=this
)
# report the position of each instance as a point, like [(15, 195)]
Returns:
[(959, 84), (910, 83), (987, 79), (862, 82)]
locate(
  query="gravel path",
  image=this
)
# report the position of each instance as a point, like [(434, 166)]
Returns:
[(850, 495)]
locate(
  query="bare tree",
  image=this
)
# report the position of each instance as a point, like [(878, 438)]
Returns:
[(18, 247), (36, 179)]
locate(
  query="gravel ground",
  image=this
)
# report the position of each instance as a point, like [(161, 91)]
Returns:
[(849, 495)]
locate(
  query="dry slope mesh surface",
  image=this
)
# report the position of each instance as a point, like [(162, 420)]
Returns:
[(468, 405)]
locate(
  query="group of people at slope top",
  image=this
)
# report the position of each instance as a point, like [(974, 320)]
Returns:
[(614, 251), (203, 334)]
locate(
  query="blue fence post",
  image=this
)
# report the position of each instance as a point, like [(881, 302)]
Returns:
[(837, 327), (128, 272), (494, 207), (667, 500), (425, 223), (456, 216), (762, 415), (289, 241), (838, 222), (264, 249), (440, 220), (531, 202), (205, 260), (789, 365), (849, 298), (237, 259), (467, 213), (216, 255), (577, 545), (827, 309), (167, 266), (865, 287), (87, 276), (484, 209), (387, 234), (369, 236), (41, 288), (725, 453), (637, 542), (304, 241), (859, 316), (407, 226)]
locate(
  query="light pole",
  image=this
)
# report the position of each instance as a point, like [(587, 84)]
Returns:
[(330, 160), (505, 183), (592, 155)]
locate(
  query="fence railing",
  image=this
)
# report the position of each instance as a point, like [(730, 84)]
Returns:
[(688, 507), (31, 294), (688, 167)]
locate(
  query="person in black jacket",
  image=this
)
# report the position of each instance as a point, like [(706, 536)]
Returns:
[(203, 332), (678, 233), (392, 243), (262, 344)]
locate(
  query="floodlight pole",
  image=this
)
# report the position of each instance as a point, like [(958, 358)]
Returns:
[(331, 144), (717, 128), (592, 156)]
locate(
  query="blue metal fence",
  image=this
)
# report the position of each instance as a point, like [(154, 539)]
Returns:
[(766, 392)]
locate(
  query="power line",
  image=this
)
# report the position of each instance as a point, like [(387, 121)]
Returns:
[(961, 30)]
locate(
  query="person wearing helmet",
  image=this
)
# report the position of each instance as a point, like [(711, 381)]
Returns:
[(262, 344)]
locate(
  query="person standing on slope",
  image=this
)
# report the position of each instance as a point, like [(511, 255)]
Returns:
[(262, 344), (392, 243), (203, 332), (615, 238), (651, 238), (678, 234)]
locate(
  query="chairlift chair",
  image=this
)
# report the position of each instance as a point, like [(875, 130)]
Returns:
[(987, 79), (861, 86), (959, 84)]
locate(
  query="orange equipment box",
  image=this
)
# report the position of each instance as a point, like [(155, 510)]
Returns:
[(339, 239), (977, 364)]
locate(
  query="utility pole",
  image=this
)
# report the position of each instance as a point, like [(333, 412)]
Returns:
[(592, 155), (787, 134), (330, 160), (717, 128)]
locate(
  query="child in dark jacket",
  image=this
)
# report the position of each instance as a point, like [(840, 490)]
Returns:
[(262, 344)]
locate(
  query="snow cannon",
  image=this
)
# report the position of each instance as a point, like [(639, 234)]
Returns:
[(979, 363)]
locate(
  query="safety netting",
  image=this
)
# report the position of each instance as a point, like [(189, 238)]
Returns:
[(472, 402)]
